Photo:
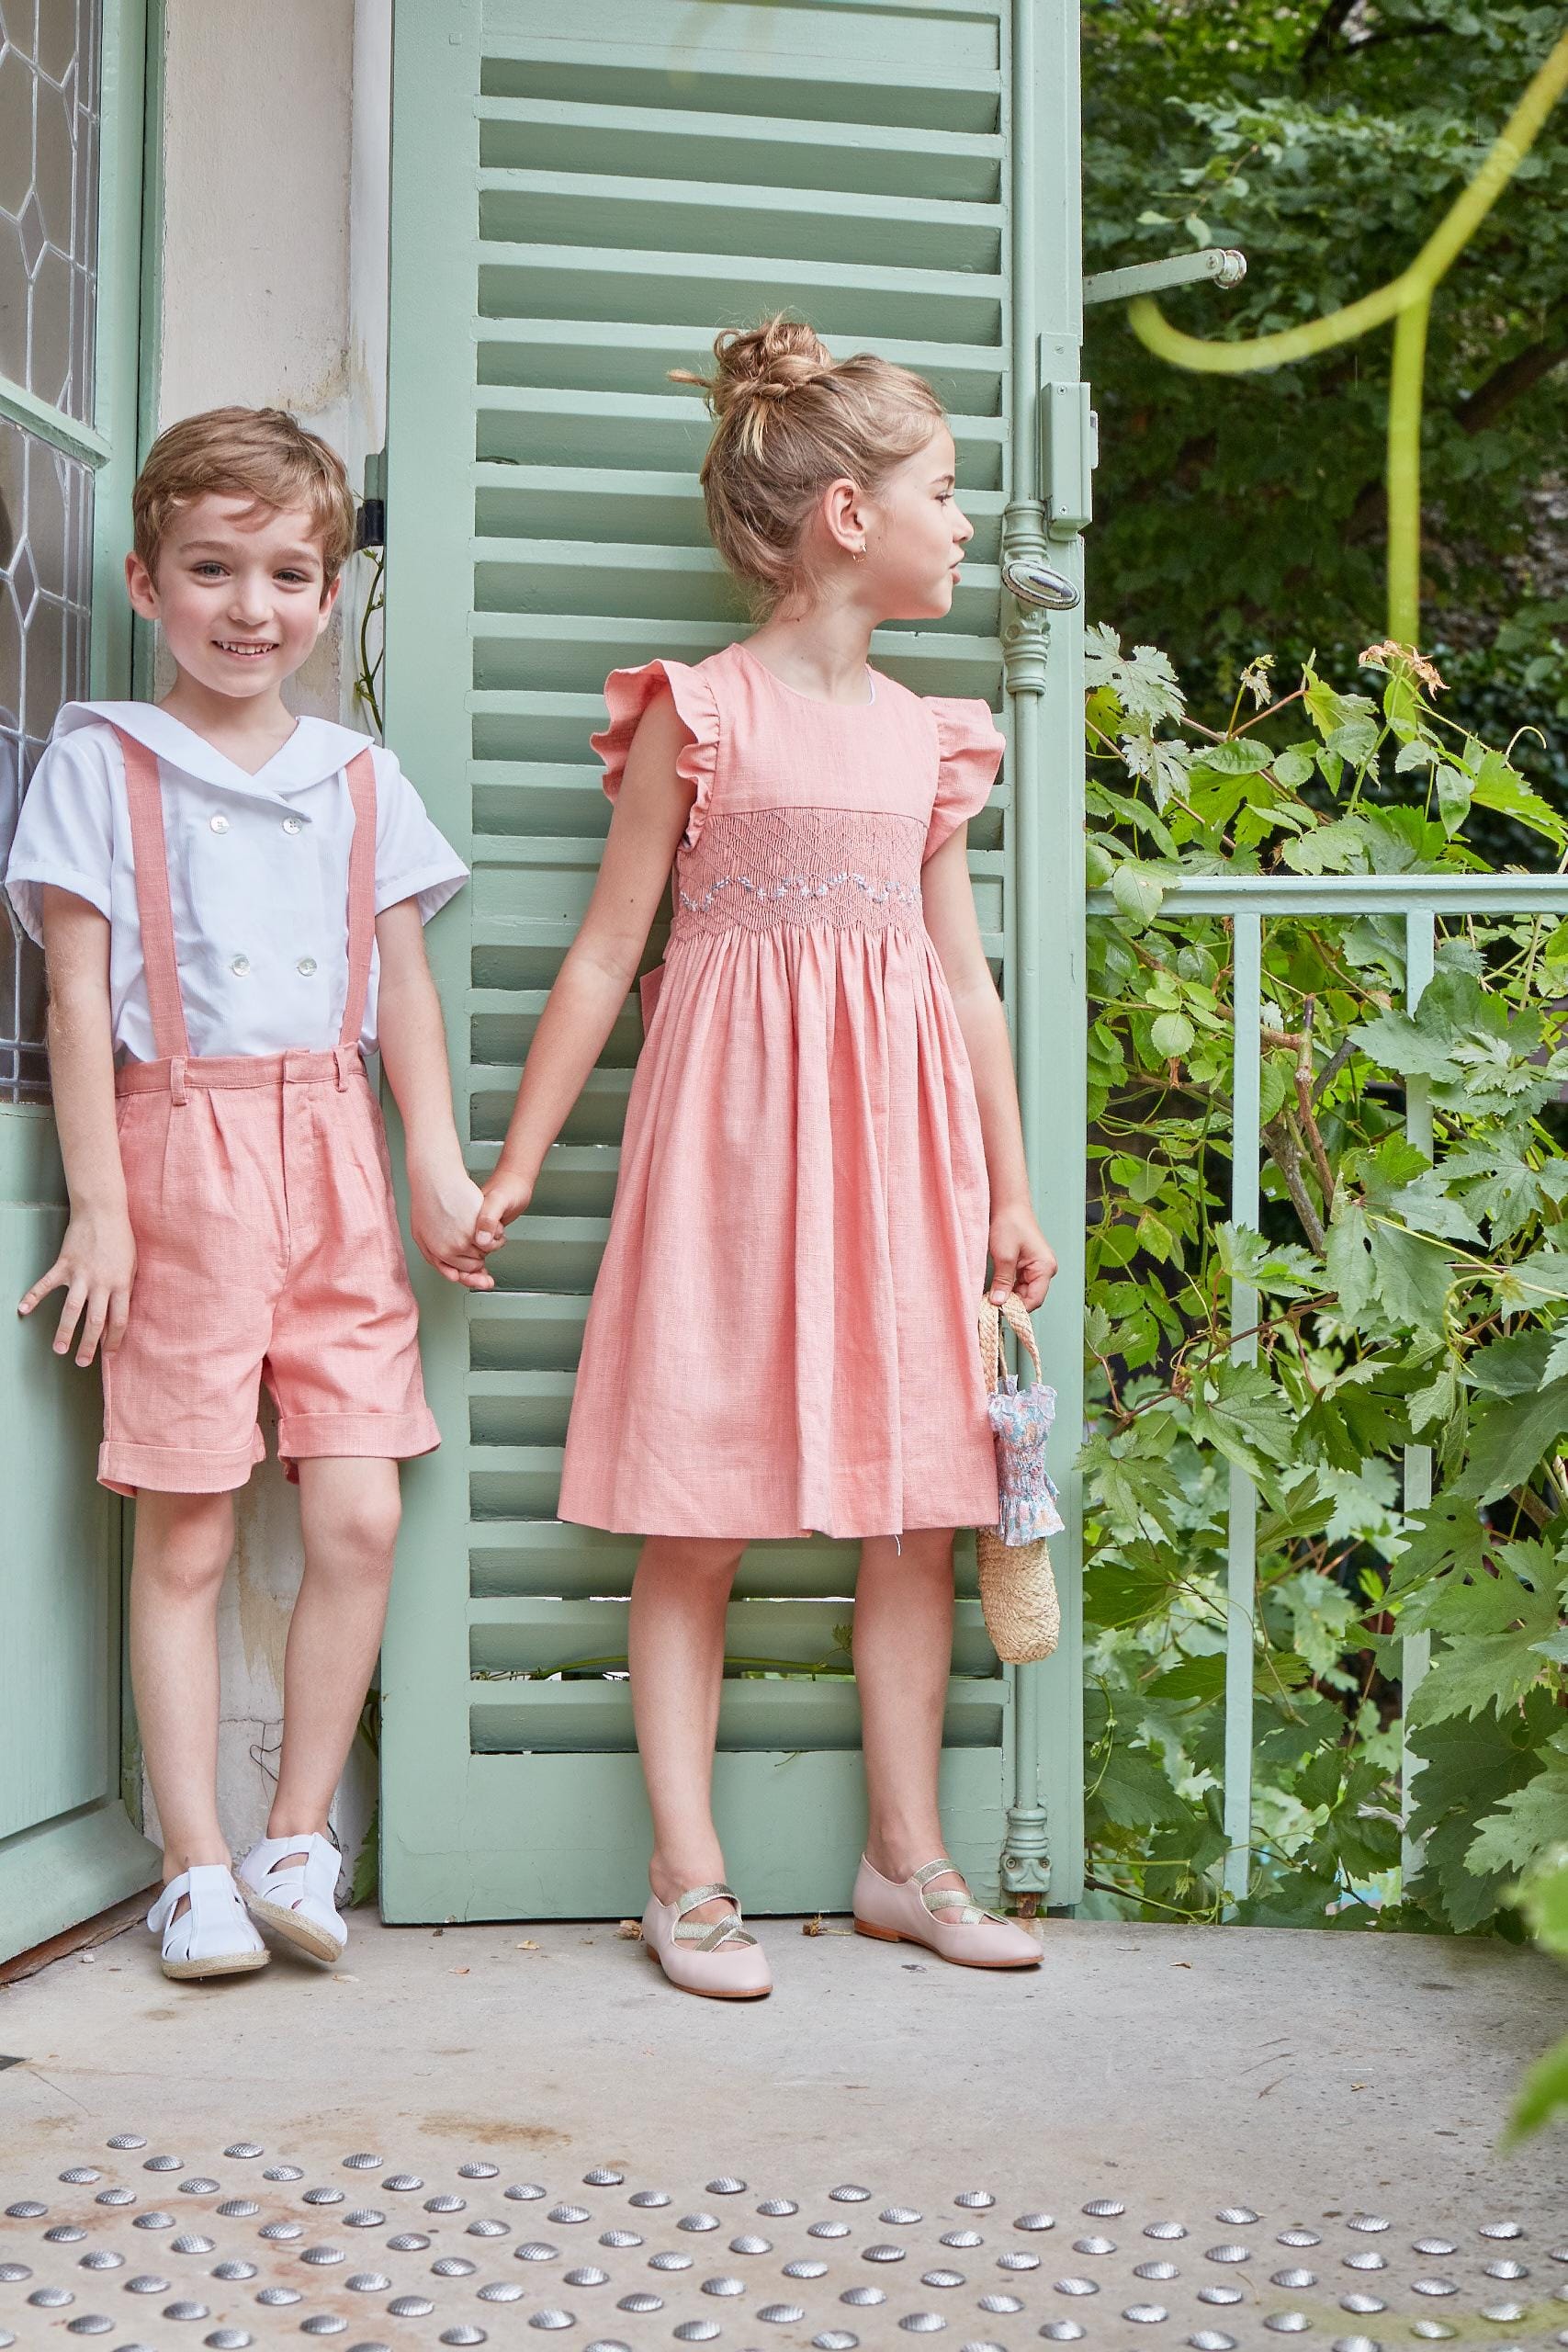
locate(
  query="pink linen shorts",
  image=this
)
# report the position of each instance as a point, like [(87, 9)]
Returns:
[(268, 1248)]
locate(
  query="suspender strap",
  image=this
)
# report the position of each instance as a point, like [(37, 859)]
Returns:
[(361, 896), (171, 1041)]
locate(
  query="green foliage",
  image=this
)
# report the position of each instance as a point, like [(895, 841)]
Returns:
[(1326, 142), (1402, 1300)]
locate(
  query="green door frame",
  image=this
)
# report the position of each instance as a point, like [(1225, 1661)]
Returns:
[(65, 1868)]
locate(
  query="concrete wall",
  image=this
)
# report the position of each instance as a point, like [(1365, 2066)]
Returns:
[(277, 145)]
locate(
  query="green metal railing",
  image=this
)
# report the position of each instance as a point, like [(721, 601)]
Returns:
[(1248, 902)]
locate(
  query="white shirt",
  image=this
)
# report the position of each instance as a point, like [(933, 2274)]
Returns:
[(258, 873)]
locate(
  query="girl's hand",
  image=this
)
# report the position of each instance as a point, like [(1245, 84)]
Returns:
[(95, 1269), (1022, 1260), (444, 1206), (505, 1196)]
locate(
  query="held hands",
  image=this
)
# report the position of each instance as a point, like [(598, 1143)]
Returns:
[(1022, 1260), (95, 1269), (444, 1208), (506, 1195)]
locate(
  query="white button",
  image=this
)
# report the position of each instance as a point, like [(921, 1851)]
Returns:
[(240, 965), (306, 966), (292, 825), (220, 824)]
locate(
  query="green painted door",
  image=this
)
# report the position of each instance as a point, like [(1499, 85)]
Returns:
[(71, 141), (579, 200)]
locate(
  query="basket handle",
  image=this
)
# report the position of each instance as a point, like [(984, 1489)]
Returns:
[(1017, 1316)]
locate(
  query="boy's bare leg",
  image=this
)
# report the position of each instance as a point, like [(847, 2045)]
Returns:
[(183, 1544), (350, 1511)]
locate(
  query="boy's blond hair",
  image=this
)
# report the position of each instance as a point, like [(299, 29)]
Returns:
[(258, 453)]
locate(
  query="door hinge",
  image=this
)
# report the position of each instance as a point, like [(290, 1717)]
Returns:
[(1067, 453), (372, 525)]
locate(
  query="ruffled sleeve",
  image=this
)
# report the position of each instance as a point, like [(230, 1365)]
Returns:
[(969, 753), (628, 693)]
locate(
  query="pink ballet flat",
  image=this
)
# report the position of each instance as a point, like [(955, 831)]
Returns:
[(718, 1958), (949, 1922)]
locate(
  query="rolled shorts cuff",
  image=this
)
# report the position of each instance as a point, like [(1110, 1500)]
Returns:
[(369, 1436), (126, 1468)]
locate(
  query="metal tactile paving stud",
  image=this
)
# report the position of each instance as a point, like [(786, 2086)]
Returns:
[(835, 2339), (1228, 2253), (89, 2323), (1078, 2287), (917, 2322), (1509, 2313), (1506, 2269), (13, 2273), (776, 2209), (1237, 2217), (284, 2172), (453, 2266), (1371, 2223), (323, 2197), (881, 2254), (1156, 2270), (1035, 2221), (118, 2196), (198, 2185), (1094, 2245), (64, 2234), (619, 2238), (941, 2277), (280, 2297), (1370, 2261), (192, 2241), (693, 2221), (79, 2176), (411, 2307), (642, 2198), (1287, 2323), (402, 2181), (1220, 2295), (1104, 2208), (323, 2256), (640, 2300), (1165, 2229), (1145, 2314), (1299, 2237), (1363, 2305), (750, 2243), (408, 2242), (863, 2297), (552, 2316), (228, 2339), (367, 2282), (1486, 2229), (501, 2290), (446, 2203), (669, 2262), (850, 2192), (604, 2177), (727, 2185), (27, 2208), (276, 2231), (1292, 2277), (477, 2169), (696, 2331), (531, 2250), (567, 2214), (980, 2200), (364, 2162), (323, 2324), (186, 2307), (103, 2257), (139, 2140), (724, 2286), (238, 2148), (994, 2303), (1212, 2339), (464, 2333), (50, 2299), (804, 2268), (1015, 2259), (1432, 2331), (488, 2230), (1357, 2344), (899, 2217), (1062, 2331), (589, 2275), (234, 2270), (364, 2217), (828, 2229), (239, 2209), (1438, 2246), (148, 2283), (965, 2239), (164, 2164)]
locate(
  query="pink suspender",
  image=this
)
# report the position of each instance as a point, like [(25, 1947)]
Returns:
[(171, 1039)]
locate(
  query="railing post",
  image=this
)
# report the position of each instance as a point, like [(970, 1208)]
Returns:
[(1241, 1541), (1415, 1649)]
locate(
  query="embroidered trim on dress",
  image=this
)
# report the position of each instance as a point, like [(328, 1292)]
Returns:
[(851, 869)]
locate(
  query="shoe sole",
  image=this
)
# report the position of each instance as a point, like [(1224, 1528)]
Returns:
[(238, 1964), (703, 1991), (896, 1936), (296, 1933)]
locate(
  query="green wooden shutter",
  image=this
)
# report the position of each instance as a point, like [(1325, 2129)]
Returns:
[(579, 203)]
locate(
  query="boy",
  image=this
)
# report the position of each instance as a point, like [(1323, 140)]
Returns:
[(230, 903)]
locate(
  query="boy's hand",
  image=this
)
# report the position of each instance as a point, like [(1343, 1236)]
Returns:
[(1021, 1259), (95, 1269), (444, 1206), (506, 1195)]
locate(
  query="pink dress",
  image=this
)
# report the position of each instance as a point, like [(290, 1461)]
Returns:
[(782, 1339)]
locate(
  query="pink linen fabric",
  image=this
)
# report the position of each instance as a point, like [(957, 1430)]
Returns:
[(782, 1339)]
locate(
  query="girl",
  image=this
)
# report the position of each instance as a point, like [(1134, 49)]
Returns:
[(823, 1135)]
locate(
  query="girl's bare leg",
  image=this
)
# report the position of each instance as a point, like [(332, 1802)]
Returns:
[(903, 1651), (676, 1646)]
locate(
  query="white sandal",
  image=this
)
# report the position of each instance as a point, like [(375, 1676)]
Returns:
[(214, 1938), (296, 1903)]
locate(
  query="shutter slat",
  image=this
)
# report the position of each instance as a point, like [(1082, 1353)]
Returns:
[(542, 1718)]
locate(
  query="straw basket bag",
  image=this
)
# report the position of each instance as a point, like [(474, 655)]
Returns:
[(1018, 1590)]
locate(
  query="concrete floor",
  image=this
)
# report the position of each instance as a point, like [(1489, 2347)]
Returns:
[(1306, 2074)]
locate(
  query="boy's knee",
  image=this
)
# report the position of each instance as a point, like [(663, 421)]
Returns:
[(360, 1532), (185, 1541)]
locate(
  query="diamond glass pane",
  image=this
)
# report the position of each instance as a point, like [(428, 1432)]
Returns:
[(46, 538), (49, 180)]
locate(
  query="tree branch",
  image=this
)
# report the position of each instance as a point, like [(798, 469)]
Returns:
[(1509, 382), (1325, 33)]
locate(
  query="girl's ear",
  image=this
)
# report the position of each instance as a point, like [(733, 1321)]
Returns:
[(141, 588), (845, 516)]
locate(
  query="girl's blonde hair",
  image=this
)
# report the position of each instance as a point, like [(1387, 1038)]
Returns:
[(791, 419)]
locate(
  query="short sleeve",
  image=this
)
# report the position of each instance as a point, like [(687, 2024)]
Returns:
[(65, 835), (969, 751), (412, 859), (629, 693)]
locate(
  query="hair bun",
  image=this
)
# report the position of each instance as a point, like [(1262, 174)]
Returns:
[(765, 363)]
